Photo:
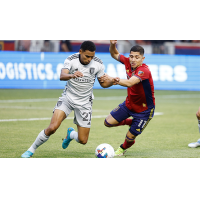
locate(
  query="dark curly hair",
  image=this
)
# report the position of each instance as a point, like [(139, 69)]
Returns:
[(88, 45)]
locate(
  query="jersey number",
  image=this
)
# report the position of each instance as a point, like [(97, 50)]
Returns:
[(87, 116), (141, 124)]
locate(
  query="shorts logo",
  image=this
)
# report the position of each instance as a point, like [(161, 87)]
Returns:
[(116, 109), (140, 73), (59, 103), (92, 70)]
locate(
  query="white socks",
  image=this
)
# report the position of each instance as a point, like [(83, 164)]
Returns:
[(41, 139), (74, 135)]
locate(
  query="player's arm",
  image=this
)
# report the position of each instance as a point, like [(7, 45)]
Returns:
[(65, 76), (127, 82), (113, 50), (106, 81)]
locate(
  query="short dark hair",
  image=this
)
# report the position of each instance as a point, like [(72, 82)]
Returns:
[(88, 45), (138, 48)]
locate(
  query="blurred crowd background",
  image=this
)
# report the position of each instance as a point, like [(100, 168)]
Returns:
[(185, 47)]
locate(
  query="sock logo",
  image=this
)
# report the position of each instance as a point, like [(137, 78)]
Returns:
[(59, 103)]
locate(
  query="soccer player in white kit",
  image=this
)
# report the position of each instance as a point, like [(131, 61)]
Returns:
[(80, 71), (196, 144)]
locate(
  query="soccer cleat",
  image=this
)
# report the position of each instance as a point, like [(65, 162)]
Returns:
[(194, 144), (120, 152), (27, 154), (67, 140)]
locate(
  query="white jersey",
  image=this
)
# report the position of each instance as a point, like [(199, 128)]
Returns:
[(80, 90)]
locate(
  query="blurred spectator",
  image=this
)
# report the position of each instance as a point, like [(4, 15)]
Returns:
[(23, 45), (195, 41), (48, 46), (124, 46), (65, 46), (159, 41), (143, 42), (158, 46), (182, 41)]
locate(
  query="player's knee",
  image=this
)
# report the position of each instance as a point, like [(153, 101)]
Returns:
[(51, 129), (83, 141), (107, 124)]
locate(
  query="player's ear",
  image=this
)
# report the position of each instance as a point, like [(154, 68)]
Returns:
[(80, 51)]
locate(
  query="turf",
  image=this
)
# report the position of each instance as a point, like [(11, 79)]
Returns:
[(166, 136)]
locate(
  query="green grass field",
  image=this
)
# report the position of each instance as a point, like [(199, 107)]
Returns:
[(166, 136)]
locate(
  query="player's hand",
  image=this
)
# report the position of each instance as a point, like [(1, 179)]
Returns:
[(104, 78), (116, 81), (77, 74), (113, 41)]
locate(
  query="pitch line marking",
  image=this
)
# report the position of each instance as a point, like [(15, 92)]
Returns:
[(55, 99), (98, 98), (47, 118), (41, 108)]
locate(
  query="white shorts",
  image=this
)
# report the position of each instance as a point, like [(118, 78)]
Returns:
[(82, 114)]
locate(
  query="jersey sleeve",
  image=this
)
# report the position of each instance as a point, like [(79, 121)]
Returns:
[(67, 64), (123, 59), (142, 74), (101, 71)]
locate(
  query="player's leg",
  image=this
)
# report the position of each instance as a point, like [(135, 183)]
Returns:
[(83, 134), (128, 142), (82, 118), (118, 117), (196, 144), (137, 127), (56, 120)]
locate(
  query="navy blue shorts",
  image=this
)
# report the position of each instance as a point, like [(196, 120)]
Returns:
[(140, 120)]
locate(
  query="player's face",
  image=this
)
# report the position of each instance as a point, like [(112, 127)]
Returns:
[(136, 59), (86, 56)]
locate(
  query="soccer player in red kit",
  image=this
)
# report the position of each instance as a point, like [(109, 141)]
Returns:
[(140, 102)]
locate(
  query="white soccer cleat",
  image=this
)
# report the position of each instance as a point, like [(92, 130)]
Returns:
[(194, 144)]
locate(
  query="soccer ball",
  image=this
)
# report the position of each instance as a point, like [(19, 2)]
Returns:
[(104, 151)]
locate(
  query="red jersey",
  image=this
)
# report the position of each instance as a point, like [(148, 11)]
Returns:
[(140, 96)]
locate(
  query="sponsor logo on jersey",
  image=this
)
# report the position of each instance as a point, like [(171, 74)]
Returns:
[(140, 73), (83, 80), (138, 130)]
